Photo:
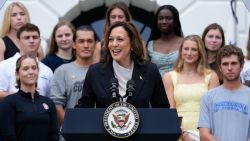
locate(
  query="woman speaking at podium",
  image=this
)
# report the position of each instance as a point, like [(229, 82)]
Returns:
[(123, 61)]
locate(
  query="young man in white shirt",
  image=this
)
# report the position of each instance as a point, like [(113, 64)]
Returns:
[(29, 41)]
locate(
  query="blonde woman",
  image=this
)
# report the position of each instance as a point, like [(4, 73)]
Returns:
[(188, 81), (16, 15)]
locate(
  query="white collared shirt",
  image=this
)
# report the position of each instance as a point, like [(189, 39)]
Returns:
[(8, 77)]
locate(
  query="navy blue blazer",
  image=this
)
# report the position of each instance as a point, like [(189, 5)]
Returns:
[(148, 87)]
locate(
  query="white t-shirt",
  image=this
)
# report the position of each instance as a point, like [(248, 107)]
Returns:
[(8, 77)]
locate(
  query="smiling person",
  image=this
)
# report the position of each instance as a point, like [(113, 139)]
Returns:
[(123, 60), (60, 49), (117, 12), (16, 15), (29, 40), (68, 79), (225, 110), (165, 39), (26, 115), (184, 93)]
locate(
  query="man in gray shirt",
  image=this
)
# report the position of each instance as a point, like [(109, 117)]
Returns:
[(68, 79), (225, 110)]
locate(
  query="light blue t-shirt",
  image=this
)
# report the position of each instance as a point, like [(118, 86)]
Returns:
[(226, 113)]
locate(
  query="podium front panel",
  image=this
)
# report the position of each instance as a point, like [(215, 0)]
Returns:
[(82, 124)]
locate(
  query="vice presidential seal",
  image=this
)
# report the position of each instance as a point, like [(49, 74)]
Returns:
[(121, 119)]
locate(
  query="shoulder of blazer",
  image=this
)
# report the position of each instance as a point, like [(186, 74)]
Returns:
[(148, 66), (101, 68), (97, 67), (140, 70)]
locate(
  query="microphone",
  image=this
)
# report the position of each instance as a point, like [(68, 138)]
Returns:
[(114, 89), (130, 89)]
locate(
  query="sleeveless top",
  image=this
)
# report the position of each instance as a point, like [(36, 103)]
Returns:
[(10, 48), (187, 98), (164, 62)]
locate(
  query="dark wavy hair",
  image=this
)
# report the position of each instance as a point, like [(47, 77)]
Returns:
[(136, 43), (156, 33)]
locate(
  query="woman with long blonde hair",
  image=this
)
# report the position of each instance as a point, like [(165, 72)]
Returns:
[(16, 15), (188, 81)]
